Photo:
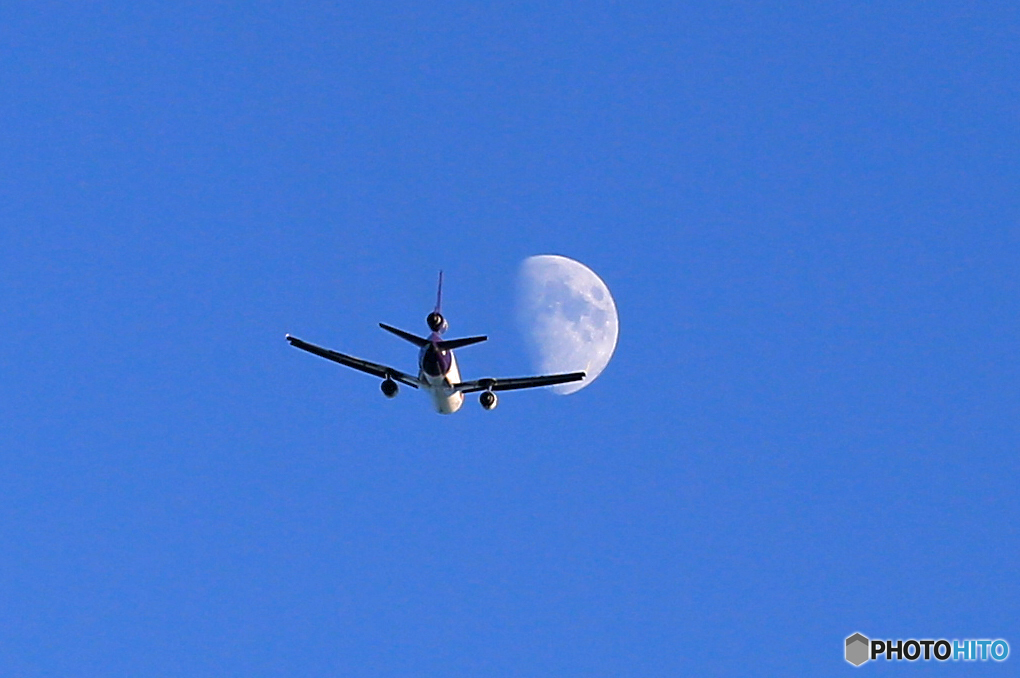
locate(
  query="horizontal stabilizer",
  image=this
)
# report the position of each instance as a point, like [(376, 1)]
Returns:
[(450, 344), (406, 336)]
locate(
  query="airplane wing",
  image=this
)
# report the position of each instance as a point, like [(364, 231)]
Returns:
[(514, 383), (374, 369)]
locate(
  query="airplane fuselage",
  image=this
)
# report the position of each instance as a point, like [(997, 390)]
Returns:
[(438, 371)]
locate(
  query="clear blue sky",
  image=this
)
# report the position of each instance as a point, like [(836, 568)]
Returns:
[(808, 216)]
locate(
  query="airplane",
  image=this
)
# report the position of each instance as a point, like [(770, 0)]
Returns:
[(438, 373)]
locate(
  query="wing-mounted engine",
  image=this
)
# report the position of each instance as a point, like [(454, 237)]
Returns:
[(389, 388), (488, 400)]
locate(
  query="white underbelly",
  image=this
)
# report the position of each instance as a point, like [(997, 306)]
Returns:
[(444, 398)]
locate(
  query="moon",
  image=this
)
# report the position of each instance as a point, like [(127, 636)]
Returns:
[(567, 317)]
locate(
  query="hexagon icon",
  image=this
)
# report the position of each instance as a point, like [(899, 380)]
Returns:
[(857, 649)]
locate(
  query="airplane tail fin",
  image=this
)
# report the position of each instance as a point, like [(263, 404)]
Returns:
[(439, 295), (437, 323)]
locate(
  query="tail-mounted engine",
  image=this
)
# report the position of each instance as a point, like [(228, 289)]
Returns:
[(389, 388), (437, 323), (488, 400)]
